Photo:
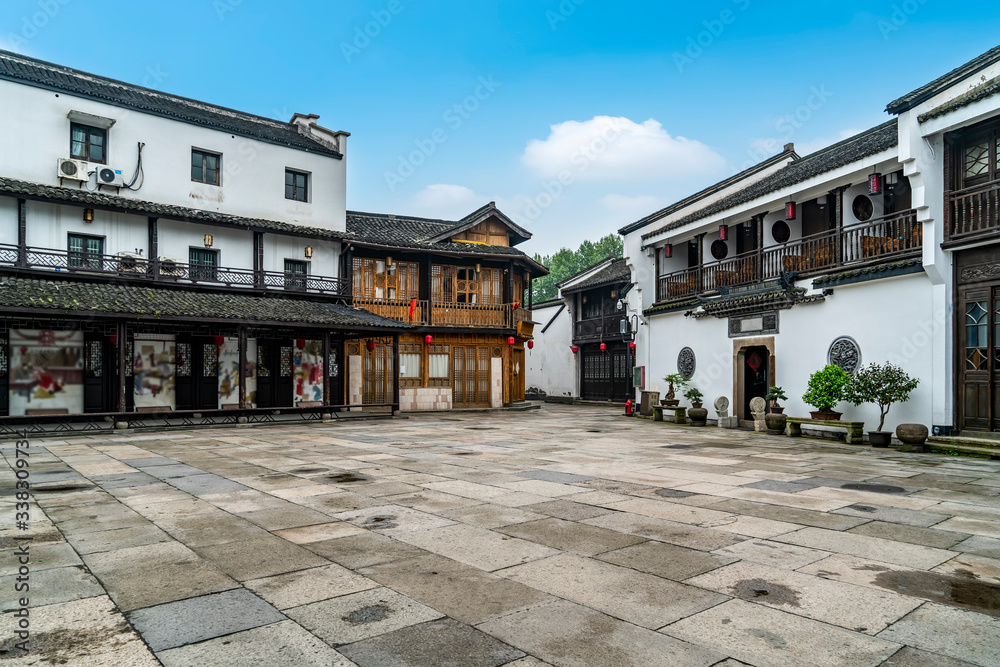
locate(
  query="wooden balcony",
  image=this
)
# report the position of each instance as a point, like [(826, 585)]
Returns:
[(873, 242), (606, 327), (395, 309), (62, 263), (475, 315), (973, 213)]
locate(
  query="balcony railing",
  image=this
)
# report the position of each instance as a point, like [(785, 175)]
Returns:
[(477, 315), (394, 309), (872, 242), (162, 271), (973, 212), (599, 327)]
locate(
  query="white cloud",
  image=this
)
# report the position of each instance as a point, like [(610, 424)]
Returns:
[(605, 148), (446, 201), (623, 203)]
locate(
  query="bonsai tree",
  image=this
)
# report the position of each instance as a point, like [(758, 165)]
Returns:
[(694, 395), (826, 388), (881, 385), (674, 379), (775, 394)]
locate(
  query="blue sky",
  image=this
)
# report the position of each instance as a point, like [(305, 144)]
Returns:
[(452, 104)]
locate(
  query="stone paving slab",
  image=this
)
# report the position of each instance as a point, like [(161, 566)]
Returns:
[(433, 643), (928, 537), (681, 534), (188, 621), (665, 560), (952, 632), (294, 589), (775, 554), (868, 547), (980, 545), (571, 536), (477, 547)]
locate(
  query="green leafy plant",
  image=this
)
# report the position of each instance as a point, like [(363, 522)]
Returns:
[(881, 385), (694, 395), (775, 394), (826, 388), (674, 379)]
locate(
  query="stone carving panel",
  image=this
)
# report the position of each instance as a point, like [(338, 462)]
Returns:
[(845, 353), (686, 363)]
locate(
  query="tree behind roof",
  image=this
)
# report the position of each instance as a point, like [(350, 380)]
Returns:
[(565, 262)]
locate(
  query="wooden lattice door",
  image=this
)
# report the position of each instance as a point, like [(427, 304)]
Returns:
[(471, 376), (379, 375)]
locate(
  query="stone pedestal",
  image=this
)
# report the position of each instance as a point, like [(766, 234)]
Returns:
[(729, 422), (680, 415), (758, 407)]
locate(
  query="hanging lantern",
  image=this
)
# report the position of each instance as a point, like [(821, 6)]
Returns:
[(428, 339), (370, 345), (208, 240), (875, 184), (531, 345), (309, 252), (668, 251), (113, 336), (220, 340), (790, 211), (631, 345), (604, 347), (575, 349), (723, 232), (300, 343), (510, 340)]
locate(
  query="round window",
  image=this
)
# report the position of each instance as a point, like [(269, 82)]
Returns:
[(780, 231), (720, 249), (863, 208)]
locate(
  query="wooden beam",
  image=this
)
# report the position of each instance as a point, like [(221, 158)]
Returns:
[(258, 259), (326, 368), (395, 370), (121, 333), (22, 233), (243, 365), (153, 245)]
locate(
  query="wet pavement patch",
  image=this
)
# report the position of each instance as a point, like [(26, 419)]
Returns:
[(873, 488), (677, 447), (348, 478), (370, 614), (765, 591), (52, 487), (306, 471), (673, 493), (381, 522), (964, 592), (864, 508)]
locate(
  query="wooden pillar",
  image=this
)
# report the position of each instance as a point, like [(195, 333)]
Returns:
[(153, 248), (243, 366), (22, 233), (700, 243), (426, 288), (759, 231), (326, 368), (395, 371), (838, 221), (258, 259), (531, 292), (347, 270), (121, 333)]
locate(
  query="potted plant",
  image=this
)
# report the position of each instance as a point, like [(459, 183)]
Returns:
[(775, 394), (697, 414), (825, 390), (673, 379), (882, 385), (695, 396)]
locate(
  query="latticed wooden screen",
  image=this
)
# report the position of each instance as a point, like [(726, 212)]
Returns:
[(379, 375), (461, 284), (471, 375), (377, 279)]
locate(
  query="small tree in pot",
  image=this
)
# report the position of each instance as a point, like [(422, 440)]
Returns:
[(826, 389), (673, 379), (697, 414), (695, 396), (775, 394), (882, 385)]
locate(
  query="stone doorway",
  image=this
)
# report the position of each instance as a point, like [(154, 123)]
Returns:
[(753, 374)]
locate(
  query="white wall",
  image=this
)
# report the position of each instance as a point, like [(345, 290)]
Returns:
[(325, 260), (551, 365), (36, 133), (49, 226), (8, 220)]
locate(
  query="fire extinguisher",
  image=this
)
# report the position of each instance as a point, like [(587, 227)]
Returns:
[(628, 408)]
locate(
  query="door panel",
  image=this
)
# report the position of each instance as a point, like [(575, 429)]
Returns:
[(756, 362), (976, 359), (470, 376), (208, 376), (95, 375), (183, 382)]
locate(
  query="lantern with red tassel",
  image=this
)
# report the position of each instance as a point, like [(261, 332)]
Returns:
[(875, 184), (428, 339), (604, 347), (300, 343), (531, 345), (790, 211), (632, 345), (370, 345), (723, 232), (668, 251), (220, 340), (113, 337), (510, 340), (575, 349)]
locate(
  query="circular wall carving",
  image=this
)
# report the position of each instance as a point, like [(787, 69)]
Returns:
[(863, 208), (720, 249), (780, 231), (846, 353), (686, 363)]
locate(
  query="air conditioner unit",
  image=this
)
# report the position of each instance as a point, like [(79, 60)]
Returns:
[(110, 177), (131, 262), (171, 267), (73, 170)]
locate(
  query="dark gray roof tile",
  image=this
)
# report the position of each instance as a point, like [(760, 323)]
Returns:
[(927, 91)]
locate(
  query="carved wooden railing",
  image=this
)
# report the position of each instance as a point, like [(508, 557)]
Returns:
[(973, 212), (395, 309), (875, 241), (472, 315), (604, 327)]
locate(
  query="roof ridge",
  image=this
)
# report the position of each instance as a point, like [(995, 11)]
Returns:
[(928, 90)]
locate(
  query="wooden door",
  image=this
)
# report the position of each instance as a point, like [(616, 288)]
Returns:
[(470, 376), (183, 382), (517, 376), (978, 358), (206, 374), (95, 373), (756, 363), (4, 376), (595, 370), (378, 375)]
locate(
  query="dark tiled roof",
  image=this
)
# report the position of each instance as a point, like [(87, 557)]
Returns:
[(887, 270), (584, 270), (672, 305), (546, 304), (698, 196), (939, 84), (410, 233), (31, 71), (147, 303), (755, 302), (616, 271), (16, 188), (980, 92), (850, 150)]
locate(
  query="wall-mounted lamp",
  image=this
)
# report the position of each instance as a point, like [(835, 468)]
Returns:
[(388, 261), (309, 252), (479, 268), (821, 200), (209, 240), (88, 215)]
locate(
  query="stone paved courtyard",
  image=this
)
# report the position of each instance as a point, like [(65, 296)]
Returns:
[(563, 536)]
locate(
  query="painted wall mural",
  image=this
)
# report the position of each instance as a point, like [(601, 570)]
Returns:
[(308, 375), (46, 372), (155, 366), (229, 373)]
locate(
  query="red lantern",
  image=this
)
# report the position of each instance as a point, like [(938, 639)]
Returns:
[(300, 343), (370, 345), (668, 251), (428, 339), (575, 349), (875, 184), (510, 340), (531, 345), (723, 232), (603, 347), (220, 340), (113, 336), (632, 345), (790, 211)]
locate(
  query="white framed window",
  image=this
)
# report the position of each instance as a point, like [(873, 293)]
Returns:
[(438, 366), (409, 365)]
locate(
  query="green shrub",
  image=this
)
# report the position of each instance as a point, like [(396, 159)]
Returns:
[(826, 388), (775, 394), (694, 395), (674, 379), (881, 385)]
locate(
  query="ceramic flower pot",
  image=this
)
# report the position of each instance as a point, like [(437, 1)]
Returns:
[(698, 416), (777, 409), (825, 415), (879, 438), (775, 423)]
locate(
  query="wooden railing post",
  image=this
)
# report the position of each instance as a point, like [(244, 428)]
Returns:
[(838, 213), (22, 233), (243, 366), (153, 247)]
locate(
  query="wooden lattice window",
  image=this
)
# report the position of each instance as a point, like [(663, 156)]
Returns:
[(378, 279), (183, 360), (378, 376), (466, 284), (471, 375), (209, 360)]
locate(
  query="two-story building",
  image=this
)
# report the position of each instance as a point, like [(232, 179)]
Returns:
[(164, 255), (882, 247)]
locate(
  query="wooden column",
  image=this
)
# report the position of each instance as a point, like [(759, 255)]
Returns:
[(759, 231), (347, 270), (838, 215), (426, 285), (326, 368), (22, 233), (243, 366), (120, 338), (395, 371), (153, 247), (531, 293), (700, 243), (258, 259)]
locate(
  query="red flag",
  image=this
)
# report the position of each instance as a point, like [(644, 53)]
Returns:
[(413, 307)]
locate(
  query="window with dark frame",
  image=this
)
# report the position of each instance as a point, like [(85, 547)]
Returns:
[(296, 185), (203, 264), (88, 143), (295, 274), (85, 252), (206, 167)]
